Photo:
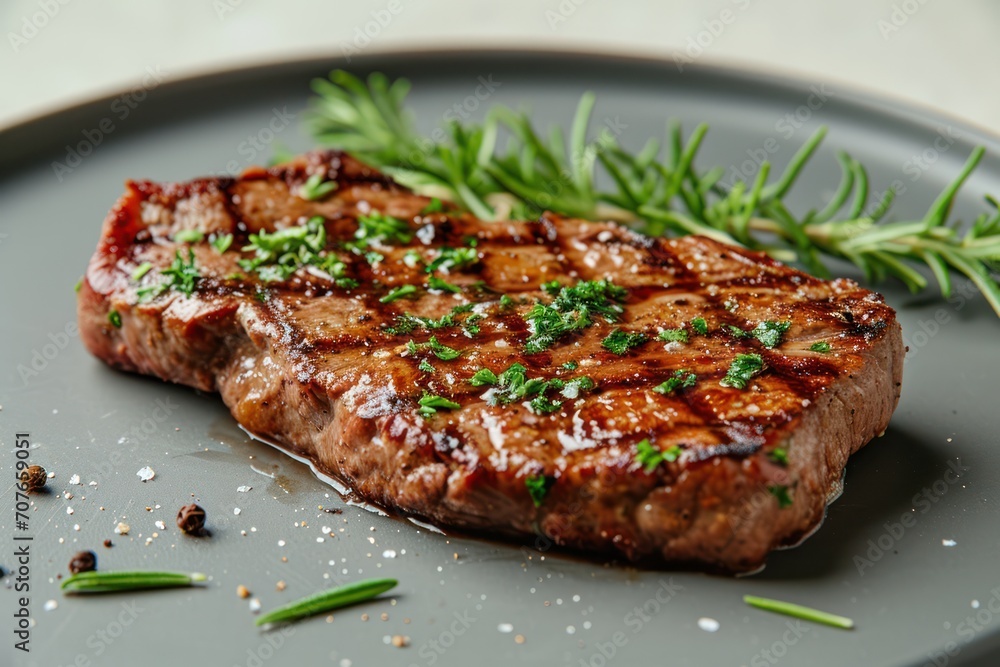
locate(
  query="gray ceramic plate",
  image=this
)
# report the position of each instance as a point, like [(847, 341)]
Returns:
[(882, 556)]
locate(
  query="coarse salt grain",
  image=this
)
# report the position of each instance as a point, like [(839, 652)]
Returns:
[(145, 474)]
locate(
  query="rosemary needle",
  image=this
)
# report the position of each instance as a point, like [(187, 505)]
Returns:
[(111, 582), (798, 611), (327, 601)]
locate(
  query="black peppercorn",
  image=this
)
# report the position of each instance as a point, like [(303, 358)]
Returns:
[(85, 561), (191, 519), (33, 478)]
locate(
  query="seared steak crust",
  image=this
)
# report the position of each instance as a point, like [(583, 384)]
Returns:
[(312, 366)]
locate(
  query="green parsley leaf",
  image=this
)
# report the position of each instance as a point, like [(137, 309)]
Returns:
[(279, 254), (433, 206), (573, 309), (506, 301), (650, 457), (373, 257), (378, 228), (425, 366), (183, 277), (398, 293), (543, 405), (619, 342), (574, 387), (453, 259), (431, 403), (484, 377), (141, 270), (262, 295), (779, 455), (736, 332), (552, 287), (115, 318), (674, 335), (442, 352), (821, 346), (316, 188), (538, 487), (742, 369), (699, 325), (438, 284), (222, 242), (412, 258), (188, 236), (571, 365), (770, 333), (681, 379), (79, 284), (780, 492)]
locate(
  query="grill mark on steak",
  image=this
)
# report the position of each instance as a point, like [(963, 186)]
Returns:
[(313, 368)]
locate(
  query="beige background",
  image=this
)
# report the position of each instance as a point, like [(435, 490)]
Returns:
[(941, 54)]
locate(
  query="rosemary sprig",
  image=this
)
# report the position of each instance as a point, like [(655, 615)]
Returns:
[(327, 601), (112, 582), (658, 190), (798, 611)]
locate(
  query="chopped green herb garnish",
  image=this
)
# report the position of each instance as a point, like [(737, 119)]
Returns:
[(779, 455), (431, 403), (316, 188), (262, 295), (538, 487), (619, 342), (412, 258), (572, 310), (484, 377), (373, 257), (821, 346), (681, 379), (141, 270), (183, 277), (433, 206), (436, 283), (398, 293), (112, 582), (425, 366), (236, 275), (379, 228), (543, 405), (699, 325), (770, 333), (736, 332), (571, 365), (221, 242), (650, 458), (572, 388), (798, 611), (408, 323), (453, 259), (279, 254), (742, 369), (79, 284), (674, 335), (115, 318), (552, 287), (442, 352), (188, 236), (506, 301), (780, 492)]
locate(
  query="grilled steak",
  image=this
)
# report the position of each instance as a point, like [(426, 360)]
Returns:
[(568, 382)]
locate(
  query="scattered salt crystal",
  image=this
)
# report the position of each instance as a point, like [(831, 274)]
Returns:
[(160, 525), (69, 510), (67, 495), (93, 483), (51, 475), (326, 530), (975, 604), (75, 479), (570, 630), (146, 474), (243, 489), (50, 605), (122, 528), (237, 510), (254, 605), (76, 526), (281, 543), (708, 624), (505, 628), (949, 543), (389, 553)]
